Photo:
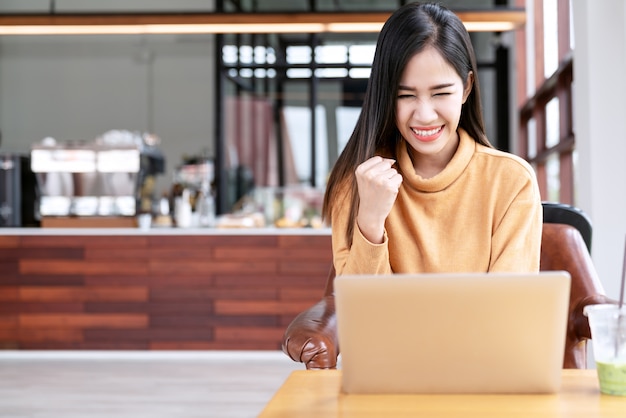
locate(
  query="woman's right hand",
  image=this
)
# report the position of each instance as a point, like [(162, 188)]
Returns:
[(378, 183)]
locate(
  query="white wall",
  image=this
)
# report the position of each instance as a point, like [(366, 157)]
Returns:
[(79, 87), (600, 127)]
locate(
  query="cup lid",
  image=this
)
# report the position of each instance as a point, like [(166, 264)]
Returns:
[(602, 307)]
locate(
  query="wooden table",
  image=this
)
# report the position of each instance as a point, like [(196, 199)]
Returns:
[(316, 393)]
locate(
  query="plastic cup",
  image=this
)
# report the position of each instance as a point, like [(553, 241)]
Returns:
[(608, 336)]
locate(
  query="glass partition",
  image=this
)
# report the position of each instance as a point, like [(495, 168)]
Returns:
[(287, 103), (271, 136)]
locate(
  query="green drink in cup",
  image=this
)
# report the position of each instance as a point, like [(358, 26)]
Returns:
[(612, 378), (608, 336)]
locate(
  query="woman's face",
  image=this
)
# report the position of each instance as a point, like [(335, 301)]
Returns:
[(428, 106)]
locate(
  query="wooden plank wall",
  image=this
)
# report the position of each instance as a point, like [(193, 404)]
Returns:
[(152, 292)]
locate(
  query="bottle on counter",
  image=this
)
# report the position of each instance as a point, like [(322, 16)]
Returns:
[(162, 216), (183, 211), (206, 207)]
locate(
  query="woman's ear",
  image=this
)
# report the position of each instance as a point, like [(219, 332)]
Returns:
[(469, 85)]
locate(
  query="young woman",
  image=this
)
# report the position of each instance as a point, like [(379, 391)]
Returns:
[(418, 187)]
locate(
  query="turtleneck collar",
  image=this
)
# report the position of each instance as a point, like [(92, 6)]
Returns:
[(445, 178)]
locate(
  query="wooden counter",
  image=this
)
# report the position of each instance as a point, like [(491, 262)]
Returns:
[(156, 289)]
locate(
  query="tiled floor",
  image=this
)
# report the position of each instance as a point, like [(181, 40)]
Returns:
[(153, 384)]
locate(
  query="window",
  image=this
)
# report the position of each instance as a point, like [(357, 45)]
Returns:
[(546, 137), (273, 82), (289, 102)]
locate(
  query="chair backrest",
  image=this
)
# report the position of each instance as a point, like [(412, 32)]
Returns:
[(560, 213), (566, 245)]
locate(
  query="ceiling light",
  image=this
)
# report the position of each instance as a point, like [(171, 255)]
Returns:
[(214, 23)]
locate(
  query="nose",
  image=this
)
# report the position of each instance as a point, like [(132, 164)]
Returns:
[(424, 111)]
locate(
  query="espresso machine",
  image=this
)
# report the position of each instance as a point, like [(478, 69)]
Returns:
[(17, 191), (112, 175)]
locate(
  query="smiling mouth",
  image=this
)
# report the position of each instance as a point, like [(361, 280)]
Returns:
[(427, 133)]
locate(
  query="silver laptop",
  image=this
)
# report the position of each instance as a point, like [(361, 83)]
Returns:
[(452, 333)]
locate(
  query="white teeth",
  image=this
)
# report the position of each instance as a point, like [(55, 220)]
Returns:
[(426, 133)]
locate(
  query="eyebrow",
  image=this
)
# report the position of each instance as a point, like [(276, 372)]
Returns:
[(436, 87)]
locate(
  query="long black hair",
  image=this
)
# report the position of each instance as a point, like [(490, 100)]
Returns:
[(408, 31)]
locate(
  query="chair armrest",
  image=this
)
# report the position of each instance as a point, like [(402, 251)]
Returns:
[(563, 248), (311, 338)]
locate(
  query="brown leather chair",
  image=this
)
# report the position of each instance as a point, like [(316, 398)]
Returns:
[(311, 338)]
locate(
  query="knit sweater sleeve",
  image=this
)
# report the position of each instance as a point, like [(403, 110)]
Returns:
[(362, 257), (516, 240)]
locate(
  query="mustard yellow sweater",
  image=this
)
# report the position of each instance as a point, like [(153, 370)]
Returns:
[(481, 213)]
